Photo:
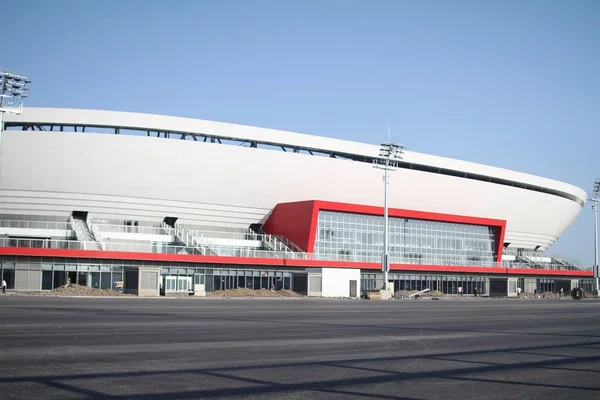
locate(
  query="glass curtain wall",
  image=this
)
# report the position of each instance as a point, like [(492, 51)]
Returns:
[(7, 273), (411, 241), (447, 284), (587, 285)]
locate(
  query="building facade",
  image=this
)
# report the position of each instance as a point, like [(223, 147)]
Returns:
[(150, 203)]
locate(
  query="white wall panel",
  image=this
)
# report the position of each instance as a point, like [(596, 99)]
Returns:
[(240, 132), (121, 176), (336, 281)]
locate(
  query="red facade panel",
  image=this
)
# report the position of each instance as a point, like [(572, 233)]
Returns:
[(293, 221)]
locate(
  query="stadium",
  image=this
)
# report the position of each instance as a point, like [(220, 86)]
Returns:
[(161, 205)]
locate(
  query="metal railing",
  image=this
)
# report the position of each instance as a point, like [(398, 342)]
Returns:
[(236, 251), (147, 230), (222, 235), (290, 245), (525, 253), (64, 226), (527, 259), (46, 244), (84, 234), (95, 232), (544, 266), (191, 242), (212, 228), (566, 260), (161, 248)]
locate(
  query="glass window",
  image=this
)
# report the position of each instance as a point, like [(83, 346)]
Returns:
[(410, 241), (46, 280)]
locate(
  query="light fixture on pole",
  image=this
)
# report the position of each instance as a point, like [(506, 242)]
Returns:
[(389, 154), (595, 201), (13, 90)]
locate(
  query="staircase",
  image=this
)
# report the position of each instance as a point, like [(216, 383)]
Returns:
[(211, 241), (184, 236), (274, 242), (83, 234), (563, 263)]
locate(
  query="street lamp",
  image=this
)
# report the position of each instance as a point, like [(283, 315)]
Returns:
[(13, 90), (389, 154), (595, 201)]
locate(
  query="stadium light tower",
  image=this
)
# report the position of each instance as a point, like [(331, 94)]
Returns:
[(389, 154), (13, 90), (595, 201)]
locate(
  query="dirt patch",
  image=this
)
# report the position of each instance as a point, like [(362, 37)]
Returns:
[(547, 295), (253, 293), (437, 293), (71, 290), (433, 293)]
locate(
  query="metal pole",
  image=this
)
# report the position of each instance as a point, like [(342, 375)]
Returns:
[(385, 225), (388, 151), (595, 208), (385, 214)]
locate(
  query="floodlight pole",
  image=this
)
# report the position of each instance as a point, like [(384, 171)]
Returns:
[(386, 260), (387, 153), (12, 93), (595, 201), (596, 271)]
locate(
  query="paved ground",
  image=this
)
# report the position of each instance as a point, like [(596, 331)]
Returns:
[(62, 348)]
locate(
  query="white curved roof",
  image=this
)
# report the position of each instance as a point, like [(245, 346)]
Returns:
[(227, 131)]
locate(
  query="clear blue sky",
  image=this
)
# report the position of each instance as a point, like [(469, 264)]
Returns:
[(513, 84)]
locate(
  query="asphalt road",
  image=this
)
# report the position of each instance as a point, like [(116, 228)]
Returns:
[(63, 348)]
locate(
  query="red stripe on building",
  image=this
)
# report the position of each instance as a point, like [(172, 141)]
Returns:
[(277, 262)]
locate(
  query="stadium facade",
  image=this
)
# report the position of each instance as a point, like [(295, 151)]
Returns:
[(148, 202)]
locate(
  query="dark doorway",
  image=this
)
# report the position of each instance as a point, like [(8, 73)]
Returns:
[(564, 284), (71, 277), (82, 215), (353, 289), (60, 279), (170, 221), (498, 287), (300, 283)]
